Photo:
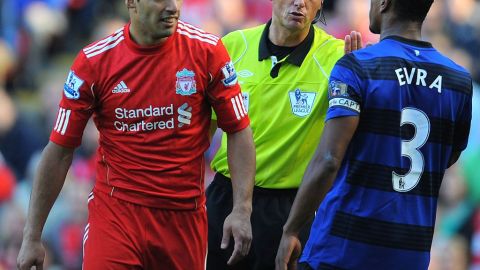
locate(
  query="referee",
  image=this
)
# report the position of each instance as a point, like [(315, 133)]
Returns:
[(283, 68)]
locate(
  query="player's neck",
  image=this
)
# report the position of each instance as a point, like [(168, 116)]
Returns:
[(282, 36), (409, 30), (143, 38)]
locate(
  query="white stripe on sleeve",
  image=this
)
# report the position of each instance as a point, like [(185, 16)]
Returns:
[(62, 118), (67, 118), (235, 108), (60, 111), (239, 103), (243, 103)]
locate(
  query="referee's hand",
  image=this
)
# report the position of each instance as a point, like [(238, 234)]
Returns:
[(237, 224), (353, 42)]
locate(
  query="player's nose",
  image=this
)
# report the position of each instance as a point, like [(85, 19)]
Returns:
[(172, 6)]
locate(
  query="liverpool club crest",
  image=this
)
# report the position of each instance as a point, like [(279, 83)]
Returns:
[(186, 84)]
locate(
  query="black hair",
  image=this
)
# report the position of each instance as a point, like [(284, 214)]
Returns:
[(320, 16), (412, 10)]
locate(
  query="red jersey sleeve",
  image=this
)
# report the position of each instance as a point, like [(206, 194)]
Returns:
[(224, 92), (76, 105)]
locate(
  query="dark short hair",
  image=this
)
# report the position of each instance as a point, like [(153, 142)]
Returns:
[(412, 10)]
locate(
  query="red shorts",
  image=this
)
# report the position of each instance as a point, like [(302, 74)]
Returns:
[(122, 235)]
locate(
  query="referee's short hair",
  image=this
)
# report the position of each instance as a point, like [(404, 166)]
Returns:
[(412, 10)]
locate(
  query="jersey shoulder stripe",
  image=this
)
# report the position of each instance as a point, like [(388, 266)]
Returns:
[(195, 33), (105, 44), (102, 42), (195, 30)]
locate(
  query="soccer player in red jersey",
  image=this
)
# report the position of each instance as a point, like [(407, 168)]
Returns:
[(150, 87)]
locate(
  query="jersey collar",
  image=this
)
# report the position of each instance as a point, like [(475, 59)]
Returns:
[(417, 43), (296, 57), (148, 50)]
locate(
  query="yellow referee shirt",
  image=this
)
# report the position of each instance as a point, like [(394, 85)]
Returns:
[(286, 100)]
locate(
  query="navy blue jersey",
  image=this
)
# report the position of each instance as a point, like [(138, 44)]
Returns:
[(414, 106)]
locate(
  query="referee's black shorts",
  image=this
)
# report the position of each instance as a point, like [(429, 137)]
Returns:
[(270, 212)]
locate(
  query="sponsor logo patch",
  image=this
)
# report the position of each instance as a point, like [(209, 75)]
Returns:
[(337, 89), (184, 115), (229, 74), (301, 102), (71, 89), (186, 84), (245, 73), (121, 88)]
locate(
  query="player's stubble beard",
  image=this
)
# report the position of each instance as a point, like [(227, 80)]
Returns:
[(156, 27), (164, 29)]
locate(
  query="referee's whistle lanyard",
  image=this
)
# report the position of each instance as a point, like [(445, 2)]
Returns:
[(276, 65)]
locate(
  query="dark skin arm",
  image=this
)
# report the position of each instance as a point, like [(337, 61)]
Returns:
[(454, 158), (48, 182), (316, 182)]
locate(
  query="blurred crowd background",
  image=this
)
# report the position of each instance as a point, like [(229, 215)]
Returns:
[(40, 38)]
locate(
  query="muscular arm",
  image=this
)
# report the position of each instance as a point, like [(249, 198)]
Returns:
[(241, 162), (453, 158), (316, 182), (321, 171), (48, 182)]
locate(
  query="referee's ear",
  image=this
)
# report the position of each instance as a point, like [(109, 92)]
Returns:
[(130, 4), (319, 16)]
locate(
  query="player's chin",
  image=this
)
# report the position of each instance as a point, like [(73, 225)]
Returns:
[(374, 29), (164, 32), (166, 27)]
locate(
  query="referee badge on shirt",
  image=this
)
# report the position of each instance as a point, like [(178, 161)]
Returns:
[(340, 95), (186, 84), (301, 102), (71, 89)]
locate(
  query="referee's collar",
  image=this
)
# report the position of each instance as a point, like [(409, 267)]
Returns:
[(296, 57)]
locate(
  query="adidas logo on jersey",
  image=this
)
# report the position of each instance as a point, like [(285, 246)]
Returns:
[(121, 88)]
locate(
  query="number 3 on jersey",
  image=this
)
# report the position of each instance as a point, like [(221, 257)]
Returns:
[(410, 149)]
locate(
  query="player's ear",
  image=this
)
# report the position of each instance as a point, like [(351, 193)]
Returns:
[(384, 5)]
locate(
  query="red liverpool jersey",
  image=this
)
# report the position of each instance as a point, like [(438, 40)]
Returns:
[(152, 107)]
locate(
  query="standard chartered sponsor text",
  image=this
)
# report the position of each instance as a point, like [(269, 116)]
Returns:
[(143, 125)]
